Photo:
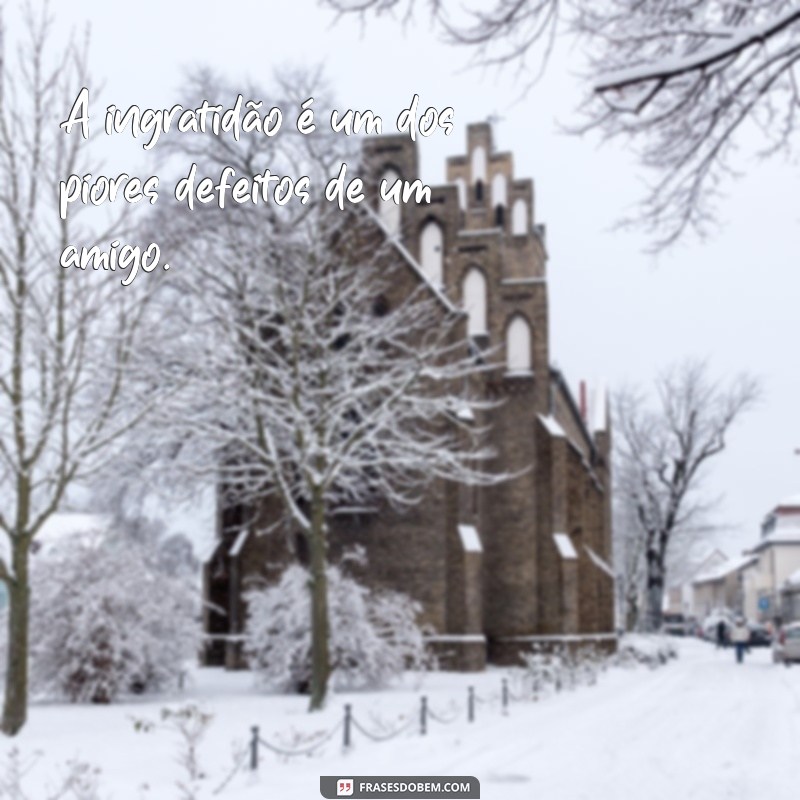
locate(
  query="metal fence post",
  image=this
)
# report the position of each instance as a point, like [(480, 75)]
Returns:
[(505, 695), (423, 716), (254, 748), (471, 704), (347, 721)]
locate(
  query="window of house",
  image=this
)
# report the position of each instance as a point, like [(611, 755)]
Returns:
[(519, 217), (518, 345), (474, 294), (388, 210), (431, 255)]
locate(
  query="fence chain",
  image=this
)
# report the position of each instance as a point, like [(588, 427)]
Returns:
[(305, 750), (381, 737)]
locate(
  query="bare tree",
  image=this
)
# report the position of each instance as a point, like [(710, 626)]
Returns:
[(665, 451), (682, 81), (629, 546), (312, 380), (66, 340)]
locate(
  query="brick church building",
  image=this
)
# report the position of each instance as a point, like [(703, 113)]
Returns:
[(496, 569)]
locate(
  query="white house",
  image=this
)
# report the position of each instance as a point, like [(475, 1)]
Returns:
[(778, 559)]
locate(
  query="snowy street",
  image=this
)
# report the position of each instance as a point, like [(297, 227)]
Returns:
[(699, 727)]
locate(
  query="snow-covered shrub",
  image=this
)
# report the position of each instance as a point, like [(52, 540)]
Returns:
[(542, 673), (374, 635), (651, 649), (106, 620)]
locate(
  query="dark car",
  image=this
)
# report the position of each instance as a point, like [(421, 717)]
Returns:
[(673, 624), (759, 635)]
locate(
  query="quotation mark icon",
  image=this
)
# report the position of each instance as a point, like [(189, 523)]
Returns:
[(344, 787)]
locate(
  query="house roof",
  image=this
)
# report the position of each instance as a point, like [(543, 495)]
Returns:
[(778, 536), (794, 579), (726, 568), (792, 501)]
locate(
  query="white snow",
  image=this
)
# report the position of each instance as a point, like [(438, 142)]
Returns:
[(794, 579), (470, 539), (599, 561), (465, 414), (238, 544), (793, 501), (550, 424), (700, 728), (63, 530), (565, 547), (725, 568)]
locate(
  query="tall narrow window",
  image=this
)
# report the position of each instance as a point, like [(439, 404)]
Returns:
[(474, 294), (499, 197), (431, 245), (518, 345), (388, 210), (462, 193), (478, 164), (519, 217)]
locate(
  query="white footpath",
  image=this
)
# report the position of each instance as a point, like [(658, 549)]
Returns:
[(700, 727)]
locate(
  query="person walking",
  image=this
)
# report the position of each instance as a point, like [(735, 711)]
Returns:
[(740, 636), (722, 629)]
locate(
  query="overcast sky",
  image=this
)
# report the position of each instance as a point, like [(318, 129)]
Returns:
[(616, 313)]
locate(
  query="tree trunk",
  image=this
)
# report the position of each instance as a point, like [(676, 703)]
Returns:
[(15, 707), (631, 609), (655, 590), (320, 655)]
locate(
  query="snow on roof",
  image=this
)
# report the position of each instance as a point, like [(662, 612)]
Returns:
[(470, 539), (553, 428), (782, 536), (725, 568), (565, 547), (238, 543), (599, 562), (794, 579), (793, 501)]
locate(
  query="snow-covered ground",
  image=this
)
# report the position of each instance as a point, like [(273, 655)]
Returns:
[(700, 727)]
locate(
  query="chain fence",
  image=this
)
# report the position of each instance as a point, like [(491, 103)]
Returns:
[(350, 726)]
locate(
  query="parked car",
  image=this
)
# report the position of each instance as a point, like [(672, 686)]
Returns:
[(693, 627), (673, 624), (760, 635), (786, 648)]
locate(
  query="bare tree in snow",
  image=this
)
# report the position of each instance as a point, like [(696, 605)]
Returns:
[(66, 340), (665, 452), (683, 81), (310, 379)]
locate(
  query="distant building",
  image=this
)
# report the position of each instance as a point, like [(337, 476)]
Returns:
[(721, 586), (680, 596), (495, 569), (777, 560)]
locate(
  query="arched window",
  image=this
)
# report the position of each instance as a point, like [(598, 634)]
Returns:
[(518, 345), (389, 210), (499, 196), (462, 192), (431, 245), (499, 216), (519, 217), (474, 294), (478, 191), (478, 164)]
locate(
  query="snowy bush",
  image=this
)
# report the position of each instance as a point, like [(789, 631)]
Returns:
[(547, 670), (652, 650), (106, 620), (374, 635)]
